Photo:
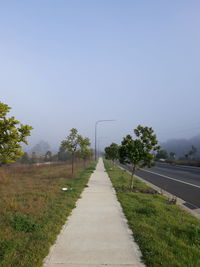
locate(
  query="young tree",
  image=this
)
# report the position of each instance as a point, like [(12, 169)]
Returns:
[(111, 152), (138, 152), (84, 151), (162, 154), (48, 156), (12, 134), (72, 144)]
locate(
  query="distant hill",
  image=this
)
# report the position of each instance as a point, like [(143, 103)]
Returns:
[(182, 146)]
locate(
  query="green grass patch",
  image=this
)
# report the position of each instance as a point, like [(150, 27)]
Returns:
[(166, 235), (33, 209), (20, 222)]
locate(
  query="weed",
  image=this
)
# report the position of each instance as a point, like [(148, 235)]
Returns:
[(21, 222)]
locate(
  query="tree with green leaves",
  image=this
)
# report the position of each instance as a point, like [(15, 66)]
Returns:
[(138, 152), (162, 154), (71, 144), (111, 152), (48, 156), (12, 134), (84, 152), (75, 144)]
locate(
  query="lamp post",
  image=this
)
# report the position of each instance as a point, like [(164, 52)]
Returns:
[(96, 123)]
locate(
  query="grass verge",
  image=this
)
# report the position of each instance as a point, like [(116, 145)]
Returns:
[(166, 235), (33, 209)]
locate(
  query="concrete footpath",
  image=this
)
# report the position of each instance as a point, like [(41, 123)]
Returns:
[(96, 234)]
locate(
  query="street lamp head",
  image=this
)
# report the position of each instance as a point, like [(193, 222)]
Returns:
[(102, 121), (105, 120)]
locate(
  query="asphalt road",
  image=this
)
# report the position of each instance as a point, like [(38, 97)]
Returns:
[(181, 181)]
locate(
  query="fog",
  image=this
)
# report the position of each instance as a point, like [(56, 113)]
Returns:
[(67, 64)]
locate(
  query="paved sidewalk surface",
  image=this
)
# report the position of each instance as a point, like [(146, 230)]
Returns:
[(96, 234)]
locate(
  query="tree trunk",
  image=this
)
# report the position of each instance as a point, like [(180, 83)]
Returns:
[(72, 164), (132, 176)]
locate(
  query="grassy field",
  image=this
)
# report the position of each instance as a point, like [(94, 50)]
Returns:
[(166, 235), (33, 209)]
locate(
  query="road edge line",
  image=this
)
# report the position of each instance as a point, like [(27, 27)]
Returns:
[(171, 178)]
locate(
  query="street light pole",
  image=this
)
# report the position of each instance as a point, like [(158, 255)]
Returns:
[(96, 123)]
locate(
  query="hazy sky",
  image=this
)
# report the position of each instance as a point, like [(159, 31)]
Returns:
[(67, 64)]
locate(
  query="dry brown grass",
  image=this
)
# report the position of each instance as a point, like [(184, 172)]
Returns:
[(23, 187), (34, 192)]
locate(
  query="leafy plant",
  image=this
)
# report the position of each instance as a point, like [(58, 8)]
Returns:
[(112, 151), (163, 154), (75, 144), (12, 134), (138, 152), (84, 152)]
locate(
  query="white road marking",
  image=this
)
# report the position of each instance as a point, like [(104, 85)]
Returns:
[(172, 178), (196, 207), (180, 166)]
